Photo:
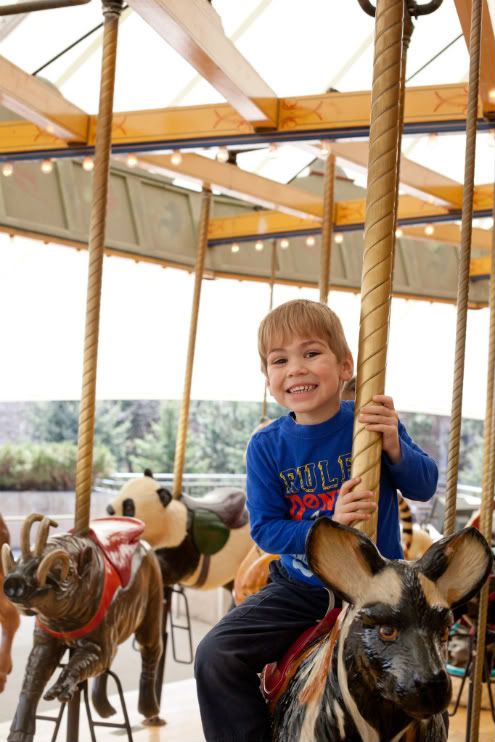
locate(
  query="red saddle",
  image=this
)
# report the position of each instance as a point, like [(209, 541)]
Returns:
[(118, 538), (276, 675)]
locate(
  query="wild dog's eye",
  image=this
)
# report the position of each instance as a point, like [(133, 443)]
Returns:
[(388, 633)]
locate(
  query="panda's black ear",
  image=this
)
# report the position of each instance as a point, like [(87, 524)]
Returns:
[(148, 473), (165, 496)]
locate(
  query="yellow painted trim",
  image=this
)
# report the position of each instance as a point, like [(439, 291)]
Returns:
[(480, 266), (187, 124)]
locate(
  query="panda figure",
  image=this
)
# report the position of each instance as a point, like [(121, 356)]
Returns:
[(199, 541)]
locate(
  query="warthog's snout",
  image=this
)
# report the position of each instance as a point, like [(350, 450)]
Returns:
[(17, 588)]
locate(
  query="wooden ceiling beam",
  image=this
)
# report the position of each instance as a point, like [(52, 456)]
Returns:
[(487, 63), (41, 104), (329, 116), (239, 183), (194, 29)]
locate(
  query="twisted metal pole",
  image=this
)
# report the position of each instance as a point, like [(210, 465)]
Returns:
[(327, 227), (463, 275), (273, 272), (180, 446), (84, 468), (486, 515), (379, 237)]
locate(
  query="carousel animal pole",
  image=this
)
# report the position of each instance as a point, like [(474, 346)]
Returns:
[(474, 704), (327, 225), (9, 618)]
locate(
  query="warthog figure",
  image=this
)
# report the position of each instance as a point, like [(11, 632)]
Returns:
[(9, 619), (89, 593), (380, 675)]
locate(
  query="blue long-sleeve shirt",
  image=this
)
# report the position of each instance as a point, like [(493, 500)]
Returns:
[(294, 474)]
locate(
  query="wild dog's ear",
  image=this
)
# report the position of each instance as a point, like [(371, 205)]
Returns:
[(343, 558), (458, 565)]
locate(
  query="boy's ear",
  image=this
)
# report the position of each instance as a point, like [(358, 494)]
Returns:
[(347, 368)]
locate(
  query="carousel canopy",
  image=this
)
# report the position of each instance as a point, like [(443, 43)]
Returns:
[(244, 97)]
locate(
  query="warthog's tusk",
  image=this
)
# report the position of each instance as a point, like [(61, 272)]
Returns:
[(58, 555), (8, 562)]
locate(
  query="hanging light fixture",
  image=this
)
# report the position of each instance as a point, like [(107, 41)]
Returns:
[(284, 244), (46, 166), (399, 233), (258, 245), (132, 160), (310, 241), (339, 238), (235, 247), (222, 154), (88, 164), (7, 169), (429, 230), (176, 158)]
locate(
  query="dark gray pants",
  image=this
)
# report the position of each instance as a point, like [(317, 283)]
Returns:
[(232, 654)]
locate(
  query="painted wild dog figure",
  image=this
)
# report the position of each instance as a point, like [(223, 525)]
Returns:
[(381, 676)]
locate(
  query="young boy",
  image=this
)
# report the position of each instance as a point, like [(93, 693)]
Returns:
[(298, 468)]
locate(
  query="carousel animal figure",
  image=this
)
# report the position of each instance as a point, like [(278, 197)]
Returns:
[(379, 675), (199, 542), (9, 618), (89, 594)]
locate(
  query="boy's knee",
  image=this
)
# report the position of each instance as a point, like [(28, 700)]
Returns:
[(207, 654)]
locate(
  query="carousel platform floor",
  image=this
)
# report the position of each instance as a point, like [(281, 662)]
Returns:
[(180, 710)]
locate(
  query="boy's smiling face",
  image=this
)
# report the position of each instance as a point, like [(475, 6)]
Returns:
[(305, 376)]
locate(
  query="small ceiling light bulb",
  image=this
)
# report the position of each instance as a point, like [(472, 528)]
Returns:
[(258, 245), (222, 154), (399, 233), (176, 158), (235, 247), (88, 164), (132, 160), (284, 244), (310, 241), (429, 230), (46, 166), (7, 169), (491, 95), (339, 238)]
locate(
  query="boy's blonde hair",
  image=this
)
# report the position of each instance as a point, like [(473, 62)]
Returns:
[(303, 318)]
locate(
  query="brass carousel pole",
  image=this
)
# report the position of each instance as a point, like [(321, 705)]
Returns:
[(180, 447), (327, 227), (379, 238), (84, 469), (463, 275), (273, 271), (486, 515)]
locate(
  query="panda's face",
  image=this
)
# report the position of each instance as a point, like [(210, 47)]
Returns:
[(165, 519), (135, 498)]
